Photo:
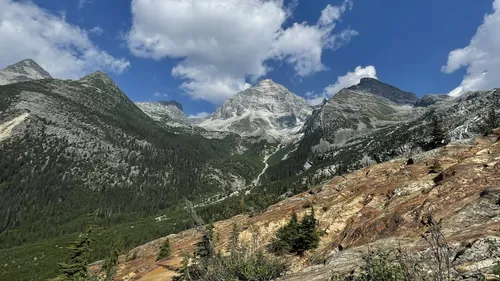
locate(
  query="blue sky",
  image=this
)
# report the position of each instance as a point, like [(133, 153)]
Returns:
[(406, 42)]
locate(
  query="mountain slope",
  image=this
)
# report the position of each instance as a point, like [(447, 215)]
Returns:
[(386, 206), (355, 128), (72, 147), (266, 108), (24, 70)]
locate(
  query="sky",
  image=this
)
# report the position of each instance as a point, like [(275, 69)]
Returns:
[(201, 52)]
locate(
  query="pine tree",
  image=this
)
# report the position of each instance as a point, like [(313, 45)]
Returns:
[(183, 270), (76, 269), (164, 250), (297, 237), (308, 235), (491, 120), (112, 261), (233, 239), (438, 136), (204, 249)]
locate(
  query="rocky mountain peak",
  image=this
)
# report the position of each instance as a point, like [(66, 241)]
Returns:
[(172, 103), (266, 83), (97, 75), (99, 78), (379, 88), (265, 107), (29, 67), (24, 70)]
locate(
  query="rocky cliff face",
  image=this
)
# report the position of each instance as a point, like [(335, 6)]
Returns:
[(24, 70), (164, 111), (378, 207), (266, 108)]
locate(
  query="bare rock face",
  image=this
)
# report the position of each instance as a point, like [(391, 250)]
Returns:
[(379, 207), (164, 111), (266, 108), (24, 70)]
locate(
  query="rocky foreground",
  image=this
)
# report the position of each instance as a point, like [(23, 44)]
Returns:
[(386, 205)]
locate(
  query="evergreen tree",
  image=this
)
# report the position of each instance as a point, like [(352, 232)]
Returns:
[(76, 269), (491, 121), (438, 135), (297, 237), (112, 261), (308, 235), (204, 249), (183, 270), (285, 236), (233, 239), (164, 250)]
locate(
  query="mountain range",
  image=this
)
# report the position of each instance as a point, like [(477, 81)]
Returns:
[(70, 148)]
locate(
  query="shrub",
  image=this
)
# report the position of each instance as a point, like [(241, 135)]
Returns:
[(379, 266), (496, 271), (242, 263)]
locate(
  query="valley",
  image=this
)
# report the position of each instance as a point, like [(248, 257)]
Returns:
[(74, 149)]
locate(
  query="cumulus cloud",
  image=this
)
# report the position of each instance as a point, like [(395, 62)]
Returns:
[(222, 44), (345, 81), (481, 57), (199, 115), (64, 50)]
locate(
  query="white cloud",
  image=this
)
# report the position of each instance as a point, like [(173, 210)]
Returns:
[(333, 13), (345, 81), (481, 57), (97, 30), (223, 43), (158, 94), (64, 50), (199, 115)]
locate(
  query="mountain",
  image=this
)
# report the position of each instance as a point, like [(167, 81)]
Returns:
[(391, 207), (356, 128), (266, 108), (166, 111), (72, 148), (69, 148), (24, 70), (378, 88)]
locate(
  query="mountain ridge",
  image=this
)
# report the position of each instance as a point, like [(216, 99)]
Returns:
[(379, 88)]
